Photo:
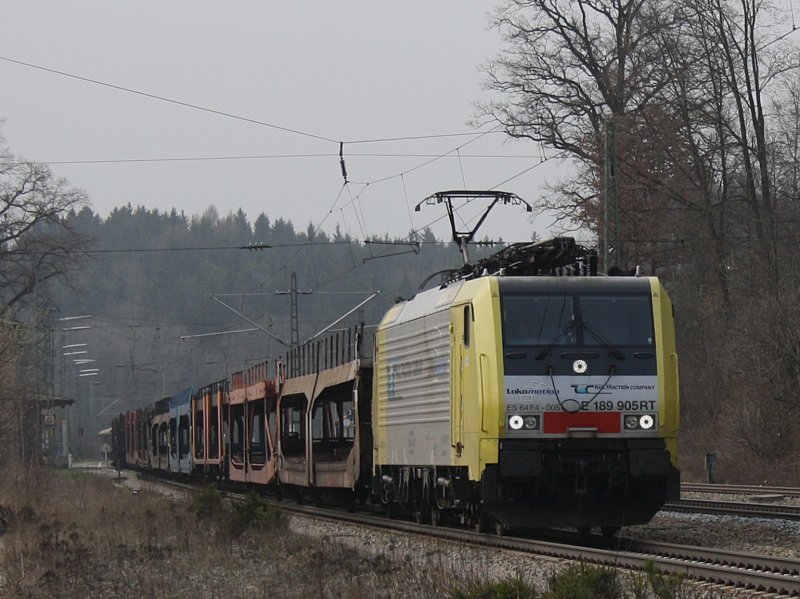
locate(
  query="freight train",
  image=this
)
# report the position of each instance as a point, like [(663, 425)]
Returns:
[(525, 391)]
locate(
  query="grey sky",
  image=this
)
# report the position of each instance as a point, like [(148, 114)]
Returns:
[(346, 70)]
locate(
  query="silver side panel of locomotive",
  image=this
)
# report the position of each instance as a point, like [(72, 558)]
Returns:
[(414, 379)]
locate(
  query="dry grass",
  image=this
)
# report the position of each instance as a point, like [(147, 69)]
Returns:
[(71, 534), (78, 535), (735, 462)]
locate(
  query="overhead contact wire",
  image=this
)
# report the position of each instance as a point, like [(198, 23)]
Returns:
[(170, 100)]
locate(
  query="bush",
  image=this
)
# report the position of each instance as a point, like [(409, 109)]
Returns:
[(664, 586), (504, 589), (254, 513), (206, 503), (584, 582)]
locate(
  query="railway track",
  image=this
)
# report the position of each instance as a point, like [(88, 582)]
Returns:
[(734, 508), (768, 574), (754, 490), (721, 567), (758, 507)]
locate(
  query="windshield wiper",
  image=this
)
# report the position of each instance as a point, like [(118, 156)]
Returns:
[(605, 342), (553, 342)]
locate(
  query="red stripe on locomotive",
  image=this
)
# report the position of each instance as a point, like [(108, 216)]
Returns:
[(604, 422)]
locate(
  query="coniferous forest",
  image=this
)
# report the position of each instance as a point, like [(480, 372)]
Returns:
[(154, 327)]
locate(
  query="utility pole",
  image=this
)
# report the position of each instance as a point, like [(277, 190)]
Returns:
[(294, 335), (293, 292)]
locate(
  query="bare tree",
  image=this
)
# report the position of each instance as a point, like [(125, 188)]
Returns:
[(37, 243), (681, 86), (573, 73), (702, 100)]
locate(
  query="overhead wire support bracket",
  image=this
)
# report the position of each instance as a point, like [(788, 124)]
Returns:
[(414, 247), (253, 322), (255, 246), (342, 317), (463, 238)]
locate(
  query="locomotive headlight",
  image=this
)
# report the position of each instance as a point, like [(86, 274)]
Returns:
[(639, 422), (516, 422), (531, 422), (631, 422)]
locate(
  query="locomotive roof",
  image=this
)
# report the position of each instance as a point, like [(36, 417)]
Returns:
[(440, 298), (574, 284)]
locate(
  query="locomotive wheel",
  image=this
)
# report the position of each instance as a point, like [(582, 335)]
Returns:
[(436, 515), (483, 523), (609, 531), (419, 515), (500, 529), (421, 510)]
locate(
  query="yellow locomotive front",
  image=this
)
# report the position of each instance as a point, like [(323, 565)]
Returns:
[(529, 401), (588, 405)]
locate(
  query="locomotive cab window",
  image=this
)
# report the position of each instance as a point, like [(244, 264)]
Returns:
[(621, 320), (614, 319), (538, 319)]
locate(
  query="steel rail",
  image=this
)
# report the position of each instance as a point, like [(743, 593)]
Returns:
[(699, 564), (734, 508), (727, 568), (740, 489)]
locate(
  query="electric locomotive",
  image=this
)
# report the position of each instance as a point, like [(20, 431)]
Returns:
[(516, 395), (524, 391)]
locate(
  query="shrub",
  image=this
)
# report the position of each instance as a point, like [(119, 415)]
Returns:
[(206, 503), (515, 588), (664, 586), (254, 513), (583, 581)]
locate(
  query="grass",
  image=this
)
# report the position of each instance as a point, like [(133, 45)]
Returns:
[(82, 536), (71, 535)]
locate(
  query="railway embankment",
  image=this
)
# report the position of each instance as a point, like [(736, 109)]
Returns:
[(117, 535)]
